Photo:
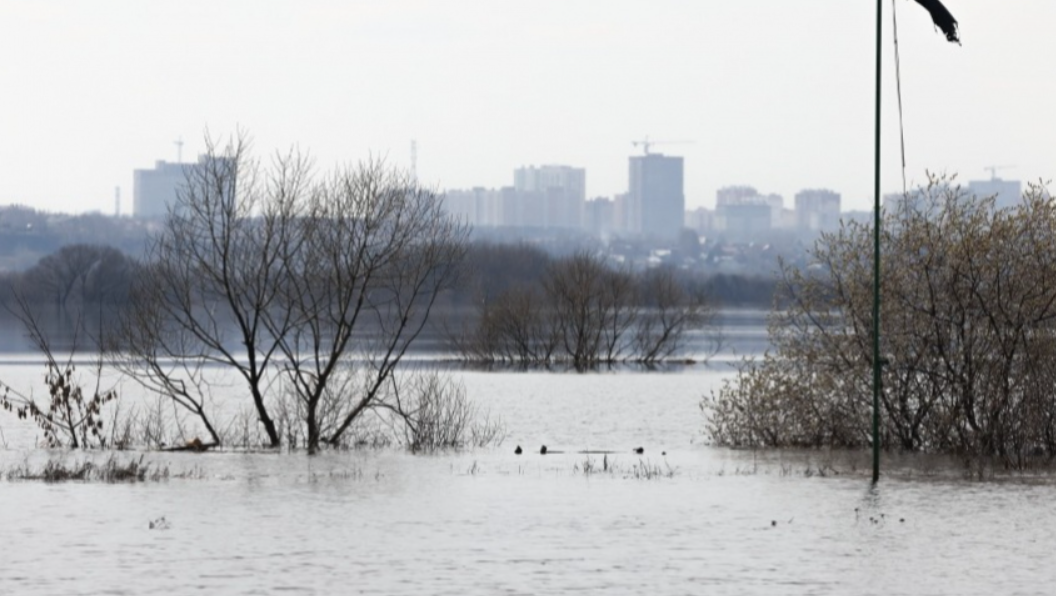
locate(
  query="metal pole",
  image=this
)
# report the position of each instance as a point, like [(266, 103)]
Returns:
[(876, 257)]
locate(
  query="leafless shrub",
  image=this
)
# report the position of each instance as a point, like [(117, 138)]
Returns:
[(435, 413), (649, 470), (968, 336), (111, 470), (72, 414), (640, 470)]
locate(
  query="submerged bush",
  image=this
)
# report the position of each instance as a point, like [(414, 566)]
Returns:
[(111, 470), (640, 470), (583, 312), (437, 414), (70, 417), (423, 410), (968, 336)]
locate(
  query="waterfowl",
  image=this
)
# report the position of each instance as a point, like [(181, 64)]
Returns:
[(639, 450), (542, 450), (518, 450)]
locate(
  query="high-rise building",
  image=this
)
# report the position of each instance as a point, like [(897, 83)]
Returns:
[(155, 191), (701, 220), (742, 213), (1006, 193), (600, 216), (554, 196), (817, 210), (622, 220), (736, 195), (656, 201), (744, 221), (477, 206)]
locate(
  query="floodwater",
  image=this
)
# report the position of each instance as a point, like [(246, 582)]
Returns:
[(381, 521)]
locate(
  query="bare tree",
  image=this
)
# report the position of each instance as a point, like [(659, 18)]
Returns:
[(164, 358), (78, 274), (511, 327), (588, 305), (290, 280), (669, 310), (373, 252), (211, 281), (621, 301), (587, 313)]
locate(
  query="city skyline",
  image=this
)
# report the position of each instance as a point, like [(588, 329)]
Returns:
[(104, 89)]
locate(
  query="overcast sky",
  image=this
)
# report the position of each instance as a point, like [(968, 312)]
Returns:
[(777, 94)]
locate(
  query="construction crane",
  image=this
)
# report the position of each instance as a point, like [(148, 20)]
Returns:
[(993, 170), (646, 143)]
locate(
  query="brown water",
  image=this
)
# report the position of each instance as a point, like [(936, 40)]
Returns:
[(490, 522)]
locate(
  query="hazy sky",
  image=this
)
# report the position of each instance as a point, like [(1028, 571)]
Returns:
[(773, 93)]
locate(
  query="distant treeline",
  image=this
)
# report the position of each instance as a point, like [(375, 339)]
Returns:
[(27, 234), (493, 268), (74, 277), (80, 275)]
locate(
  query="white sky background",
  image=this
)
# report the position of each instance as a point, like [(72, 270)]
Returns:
[(777, 94)]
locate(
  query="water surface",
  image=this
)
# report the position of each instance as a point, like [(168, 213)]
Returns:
[(488, 522)]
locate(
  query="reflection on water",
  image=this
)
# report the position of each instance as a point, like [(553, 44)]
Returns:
[(488, 522)]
